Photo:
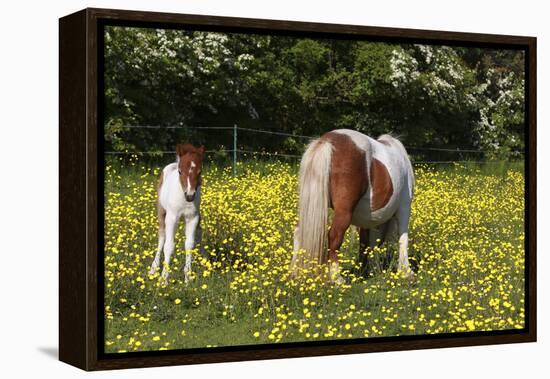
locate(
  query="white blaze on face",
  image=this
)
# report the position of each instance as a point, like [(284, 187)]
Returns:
[(193, 165)]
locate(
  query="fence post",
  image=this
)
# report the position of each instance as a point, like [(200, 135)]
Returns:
[(235, 150)]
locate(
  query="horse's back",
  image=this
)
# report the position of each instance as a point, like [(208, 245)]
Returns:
[(390, 152), (362, 141)]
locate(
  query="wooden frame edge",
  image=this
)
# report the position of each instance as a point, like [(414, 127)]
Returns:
[(78, 164), (72, 193)]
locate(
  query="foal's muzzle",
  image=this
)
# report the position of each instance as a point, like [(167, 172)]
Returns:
[(189, 197)]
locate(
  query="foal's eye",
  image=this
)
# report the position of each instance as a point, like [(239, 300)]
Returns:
[(179, 171)]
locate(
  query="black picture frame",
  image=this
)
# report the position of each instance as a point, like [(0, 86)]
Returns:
[(81, 189)]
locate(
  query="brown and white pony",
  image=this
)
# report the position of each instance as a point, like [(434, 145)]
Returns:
[(179, 194), (369, 183)]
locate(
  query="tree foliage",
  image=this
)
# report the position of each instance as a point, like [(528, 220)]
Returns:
[(429, 95)]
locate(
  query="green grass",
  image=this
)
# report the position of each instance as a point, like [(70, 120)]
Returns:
[(466, 247)]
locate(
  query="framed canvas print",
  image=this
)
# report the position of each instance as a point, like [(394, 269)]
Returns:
[(236, 189)]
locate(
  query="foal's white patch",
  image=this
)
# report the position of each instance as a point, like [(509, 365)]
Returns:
[(172, 200), (188, 185)]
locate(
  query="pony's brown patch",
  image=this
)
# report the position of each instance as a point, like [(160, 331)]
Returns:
[(349, 179), (348, 182), (382, 187), (348, 174)]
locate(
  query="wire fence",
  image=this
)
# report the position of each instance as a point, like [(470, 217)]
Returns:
[(236, 150), (262, 131)]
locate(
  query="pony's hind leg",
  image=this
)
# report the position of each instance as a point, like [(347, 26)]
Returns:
[(370, 238), (340, 223), (362, 258), (162, 237), (391, 236), (403, 265), (344, 197)]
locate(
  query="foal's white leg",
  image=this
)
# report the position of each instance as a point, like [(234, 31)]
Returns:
[(162, 238), (156, 261), (191, 227), (403, 231), (171, 223)]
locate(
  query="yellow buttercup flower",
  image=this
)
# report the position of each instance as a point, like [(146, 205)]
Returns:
[(466, 247)]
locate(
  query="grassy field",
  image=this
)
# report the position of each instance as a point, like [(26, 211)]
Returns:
[(467, 248)]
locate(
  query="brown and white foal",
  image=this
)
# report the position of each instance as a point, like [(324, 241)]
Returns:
[(369, 183), (179, 194)]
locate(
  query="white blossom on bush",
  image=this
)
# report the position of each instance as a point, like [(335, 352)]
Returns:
[(501, 106), (404, 68)]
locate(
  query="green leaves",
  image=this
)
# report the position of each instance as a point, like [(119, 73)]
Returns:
[(428, 94)]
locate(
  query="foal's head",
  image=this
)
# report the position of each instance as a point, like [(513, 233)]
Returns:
[(189, 167)]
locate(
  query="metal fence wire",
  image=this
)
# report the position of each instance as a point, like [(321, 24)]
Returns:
[(234, 151)]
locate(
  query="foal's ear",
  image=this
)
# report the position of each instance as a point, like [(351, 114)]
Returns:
[(182, 148), (201, 149)]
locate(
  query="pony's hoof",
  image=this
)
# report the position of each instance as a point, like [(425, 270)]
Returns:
[(164, 277), (338, 280), (293, 274), (407, 274), (152, 270), (187, 275)]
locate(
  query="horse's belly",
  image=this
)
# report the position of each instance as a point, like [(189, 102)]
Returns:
[(364, 217)]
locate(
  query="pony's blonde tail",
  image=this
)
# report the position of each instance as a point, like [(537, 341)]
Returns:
[(314, 200)]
